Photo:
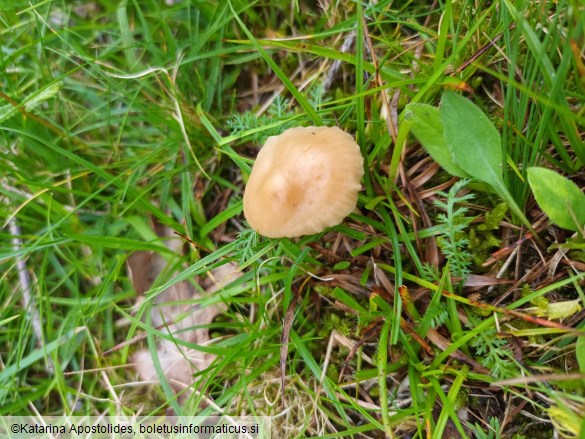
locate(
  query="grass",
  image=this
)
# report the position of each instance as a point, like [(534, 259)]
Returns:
[(119, 120)]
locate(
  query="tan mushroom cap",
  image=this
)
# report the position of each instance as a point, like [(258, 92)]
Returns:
[(303, 181)]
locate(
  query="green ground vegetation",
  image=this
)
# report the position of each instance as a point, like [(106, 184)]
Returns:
[(432, 311)]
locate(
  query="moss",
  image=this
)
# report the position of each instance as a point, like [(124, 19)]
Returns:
[(481, 237), (334, 322), (540, 301), (493, 218), (333, 372), (461, 400)]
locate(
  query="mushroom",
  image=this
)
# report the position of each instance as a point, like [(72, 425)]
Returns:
[(303, 181)]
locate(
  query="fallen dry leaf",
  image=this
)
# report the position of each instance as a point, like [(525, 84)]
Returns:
[(174, 312)]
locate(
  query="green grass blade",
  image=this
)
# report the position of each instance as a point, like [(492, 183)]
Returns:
[(303, 102)]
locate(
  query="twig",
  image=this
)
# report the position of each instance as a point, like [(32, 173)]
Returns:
[(28, 302), (347, 43)]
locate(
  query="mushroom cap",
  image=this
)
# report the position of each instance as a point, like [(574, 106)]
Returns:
[(303, 181)]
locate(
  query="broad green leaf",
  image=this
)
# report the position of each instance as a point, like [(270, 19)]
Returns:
[(427, 128), (472, 139), (474, 143), (556, 310), (558, 197)]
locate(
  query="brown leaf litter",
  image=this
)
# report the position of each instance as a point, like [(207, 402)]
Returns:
[(174, 312)]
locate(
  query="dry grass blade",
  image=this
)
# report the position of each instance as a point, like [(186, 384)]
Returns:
[(521, 381), (443, 344), (28, 302), (478, 280)]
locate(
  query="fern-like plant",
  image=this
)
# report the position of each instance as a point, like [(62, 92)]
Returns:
[(280, 110), (453, 223), (494, 351)]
